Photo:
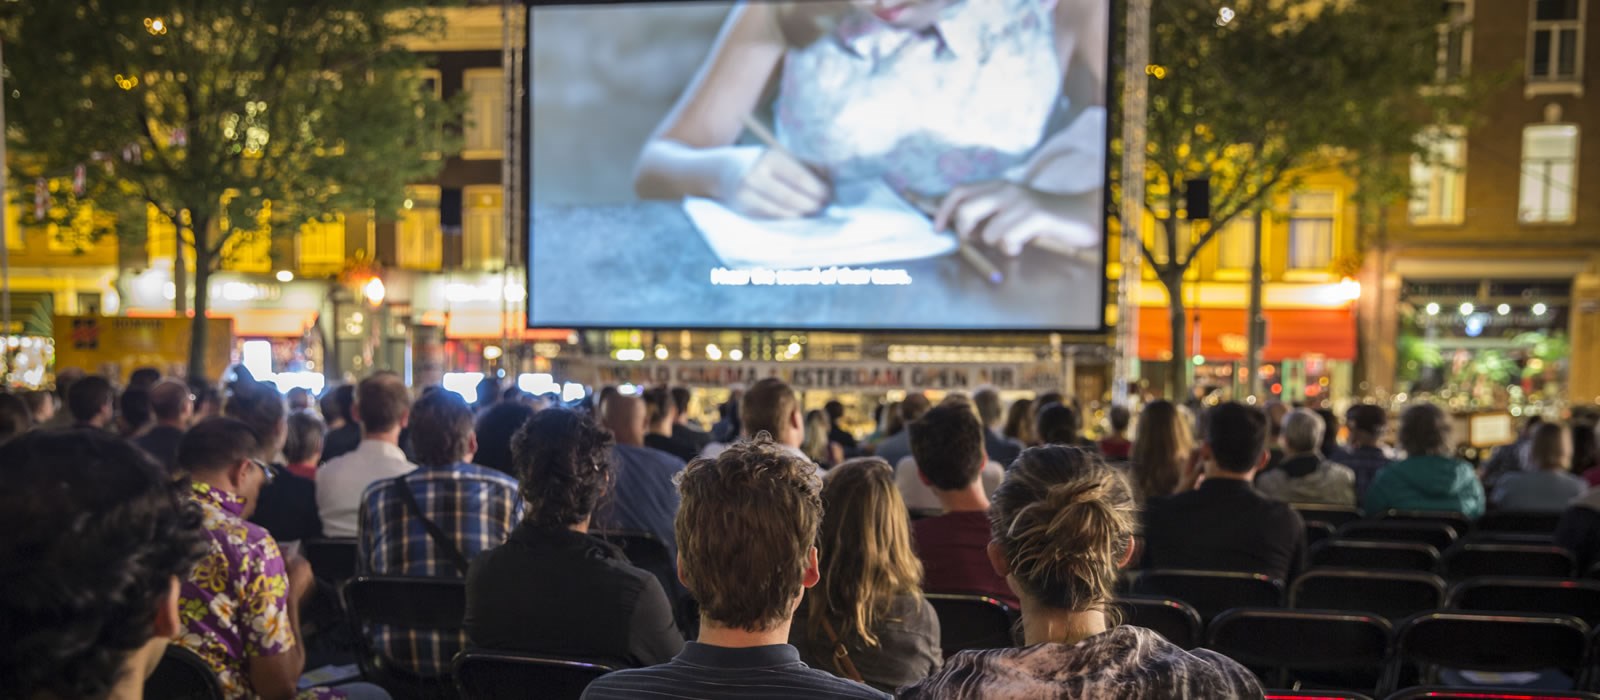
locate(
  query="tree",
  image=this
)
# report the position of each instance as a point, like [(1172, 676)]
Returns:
[(1254, 96), (230, 119)]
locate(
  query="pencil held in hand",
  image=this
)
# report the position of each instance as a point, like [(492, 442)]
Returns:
[(779, 185)]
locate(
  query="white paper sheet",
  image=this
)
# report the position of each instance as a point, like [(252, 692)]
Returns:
[(867, 224)]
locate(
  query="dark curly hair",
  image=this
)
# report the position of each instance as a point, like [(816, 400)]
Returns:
[(561, 458), (94, 533)]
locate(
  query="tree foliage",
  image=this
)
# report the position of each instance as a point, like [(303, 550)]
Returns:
[(1280, 89), (233, 119)]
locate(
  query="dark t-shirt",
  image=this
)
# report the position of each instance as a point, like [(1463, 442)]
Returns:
[(288, 507), (698, 439), (671, 446), (644, 497), (161, 442), (1225, 525), (705, 672), (568, 594), (344, 439), (955, 559)]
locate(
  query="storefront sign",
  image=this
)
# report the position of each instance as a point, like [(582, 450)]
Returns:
[(115, 347), (831, 376)]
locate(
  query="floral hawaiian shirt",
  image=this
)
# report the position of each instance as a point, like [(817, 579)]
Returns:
[(234, 605)]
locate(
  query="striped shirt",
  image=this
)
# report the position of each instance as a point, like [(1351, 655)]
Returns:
[(705, 672), (475, 506)]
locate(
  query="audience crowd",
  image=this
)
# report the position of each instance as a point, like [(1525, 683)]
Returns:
[(798, 559)]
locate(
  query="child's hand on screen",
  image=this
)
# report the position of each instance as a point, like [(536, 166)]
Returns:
[(1008, 216), (771, 184)]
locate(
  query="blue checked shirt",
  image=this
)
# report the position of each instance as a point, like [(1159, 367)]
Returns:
[(475, 506)]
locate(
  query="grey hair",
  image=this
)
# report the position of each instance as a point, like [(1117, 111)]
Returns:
[(1302, 431)]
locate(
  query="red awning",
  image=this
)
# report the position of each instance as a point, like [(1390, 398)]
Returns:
[(1291, 334)]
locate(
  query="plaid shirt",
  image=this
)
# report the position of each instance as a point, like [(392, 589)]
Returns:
[(475, 506)]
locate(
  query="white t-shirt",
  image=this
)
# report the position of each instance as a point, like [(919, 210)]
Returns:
[(920, 496), (343, 479)]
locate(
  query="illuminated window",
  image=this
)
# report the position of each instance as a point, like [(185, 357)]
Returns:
[(486, 113), (418, 241), (1438, 177), (1236, 244), (14, 226), (1311, 229), (249, 248), (1455, 41), (320, 246), (1549, 174), (483, 228), (161, 238), (1555, 43)]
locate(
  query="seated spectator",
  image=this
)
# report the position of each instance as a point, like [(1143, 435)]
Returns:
[(143, 378), (1057, 424), (472, 508), (898, 446), (685, 430), (382, 407), (303, 446), (1063, 525), (15, 418), (660, 415), (836, 432), (1116, 447), (490, 392), (1019, 424), (947, 443), (1586, 449), (96, 536), (1225, 524), (748, 584), (172, 406), (207, 402), (1429, 478), (299, 399), (287, 505), (1161, 452), (643, 497), (133, 414), (1546, 483), (91, 402), (1363, 452), (552, 588), (818, 445), (1509, 458), (868, 601), (1305, 476), (42, 404), (344, 431), (1579, 529), (240, 605), (996, 445), (495, 430)]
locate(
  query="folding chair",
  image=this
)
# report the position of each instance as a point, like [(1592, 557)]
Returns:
[(1443, 693), (1437, 535), (1393, 594), (1361, 554), (1457, 521), (495, 675), (1489, 642), (972, 622), (1325, 513), (1170, 618), (333, 559), (433, 604), (1211, 592), (1580, 599), (183, 675), (1321, 648), (1470, 559), (1519, 522)]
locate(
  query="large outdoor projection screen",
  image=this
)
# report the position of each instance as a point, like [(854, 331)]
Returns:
[(784, 165)]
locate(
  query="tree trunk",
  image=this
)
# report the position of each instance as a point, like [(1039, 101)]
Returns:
[(202, 284), (1177, 316), (180, 276)]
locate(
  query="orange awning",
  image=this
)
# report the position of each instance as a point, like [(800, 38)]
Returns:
[(254, 323), (489, 325), (1291, 334)]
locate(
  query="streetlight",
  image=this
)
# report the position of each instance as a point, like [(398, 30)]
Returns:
[(1539, 309), (1467, 308), (1432, 308), (374, 291), (1503, 309)]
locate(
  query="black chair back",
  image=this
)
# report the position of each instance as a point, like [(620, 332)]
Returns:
[(494, 675), (1519, 522), (1393, 594), (1580, 599), (1361, 554), (1437, 535), (1490, 642), (1169, 617), (1318, 532), (183, 675), (1325, 513), (1318, 648), (1471, 559), (1457, 521), (1211, 592), (333, 559), (972, 622), (1439, 692), (407, 602)]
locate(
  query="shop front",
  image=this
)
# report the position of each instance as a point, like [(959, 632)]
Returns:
[(1308, 356)]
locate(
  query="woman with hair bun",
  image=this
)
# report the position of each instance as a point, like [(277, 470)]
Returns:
[(1063, 525)]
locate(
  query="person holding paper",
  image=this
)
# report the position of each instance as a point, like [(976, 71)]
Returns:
[(957, 100)]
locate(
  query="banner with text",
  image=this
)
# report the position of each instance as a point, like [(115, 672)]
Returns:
[(827, 376)]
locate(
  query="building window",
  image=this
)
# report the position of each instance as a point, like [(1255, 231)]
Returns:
[(1549, 174), (1311, 229), (1556, 41), (1439, 176), (483, 228), (1455, 41), (1236, 244), (248, 251), (486, 113), (320, 246), (13, 226), (418, 241)]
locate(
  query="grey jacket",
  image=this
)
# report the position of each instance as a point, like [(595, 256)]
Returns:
[(1309, 479)]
